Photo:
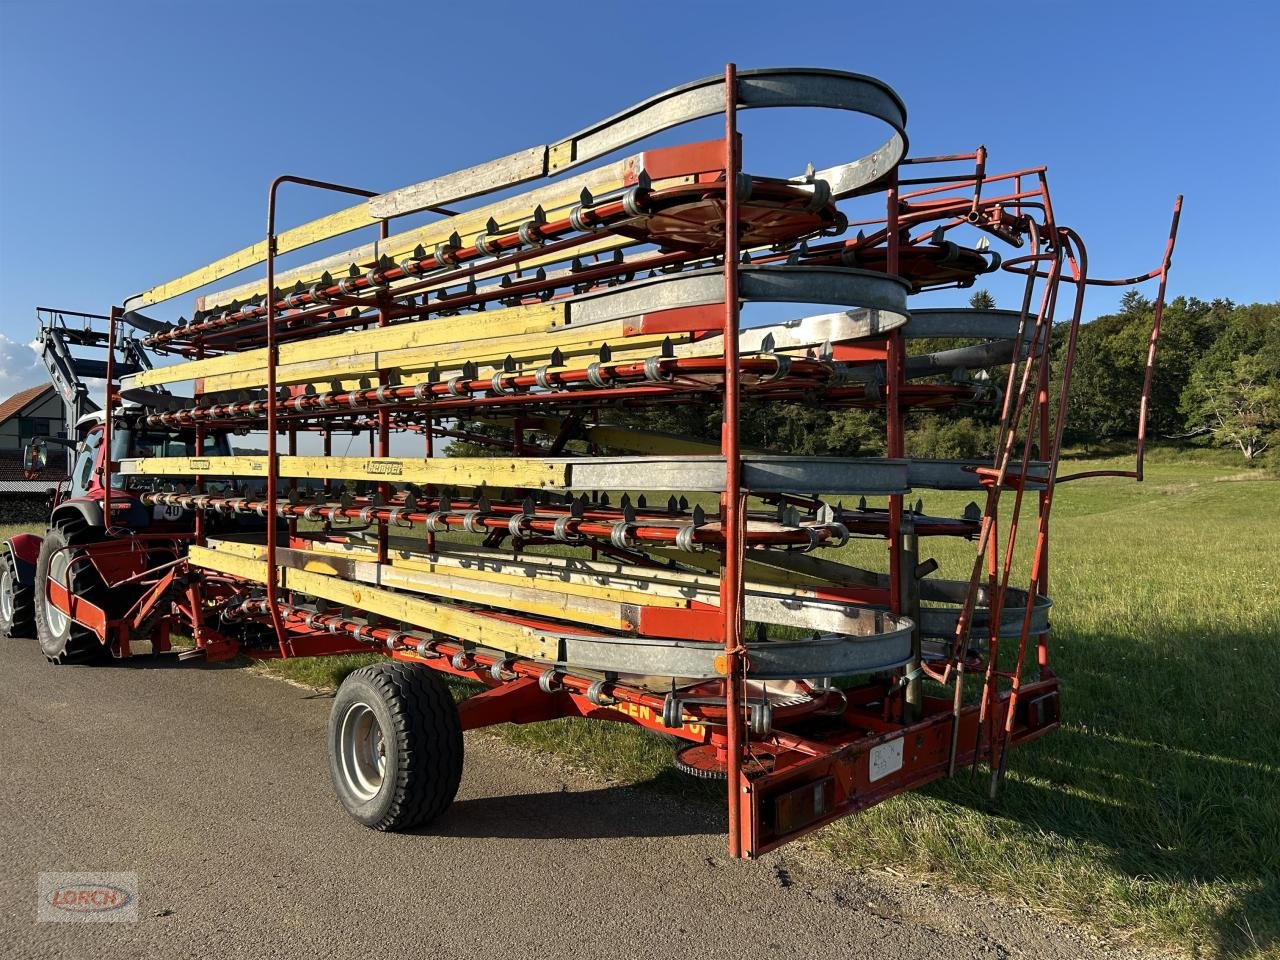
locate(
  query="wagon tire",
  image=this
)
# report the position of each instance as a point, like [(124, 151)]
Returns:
[(61, 640), (17, 602), (395, 745)]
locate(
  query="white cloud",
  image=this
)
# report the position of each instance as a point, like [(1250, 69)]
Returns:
[(19, 367)]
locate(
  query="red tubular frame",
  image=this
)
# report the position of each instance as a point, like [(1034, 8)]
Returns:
[(792, 775), (731, 503), (273, 356)]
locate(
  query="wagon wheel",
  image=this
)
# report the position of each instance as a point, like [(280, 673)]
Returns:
[(395, 745)]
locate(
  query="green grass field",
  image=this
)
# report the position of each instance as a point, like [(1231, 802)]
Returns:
[(1155, 810)]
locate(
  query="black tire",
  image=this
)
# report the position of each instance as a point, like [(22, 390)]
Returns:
[(61, 640), (395, 745), (17, 602)]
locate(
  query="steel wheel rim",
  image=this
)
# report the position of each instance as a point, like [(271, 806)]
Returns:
[(58, 621), (362, 751), (6, 594)]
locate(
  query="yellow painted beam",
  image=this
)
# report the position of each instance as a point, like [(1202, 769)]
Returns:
[(512, 321), (512, 210), (529, 473), (422, 614), (575, 343), (322, 228), (578, 603), (602, 580)]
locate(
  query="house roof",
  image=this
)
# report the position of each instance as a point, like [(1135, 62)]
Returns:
[(16, 403)]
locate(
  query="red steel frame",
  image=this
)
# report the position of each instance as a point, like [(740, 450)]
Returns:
[(781, 783)]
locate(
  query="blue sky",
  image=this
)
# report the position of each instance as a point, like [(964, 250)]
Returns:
[(137, 139)]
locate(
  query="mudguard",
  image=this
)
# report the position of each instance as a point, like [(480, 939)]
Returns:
[(87, 511), (25, 550)]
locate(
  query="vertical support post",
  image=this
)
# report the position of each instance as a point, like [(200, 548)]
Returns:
[(1042, 393), (293, 481), (730, 500), (273, 461), (273, 357), (384, 417), (108, 414), (895, 367), (1143, 404), (990, 681), (911, 607), (430, 451), (327, 484), (199, 452)]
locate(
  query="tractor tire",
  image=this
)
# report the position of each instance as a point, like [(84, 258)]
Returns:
[(61, 640), (395, 745), (17, 602)]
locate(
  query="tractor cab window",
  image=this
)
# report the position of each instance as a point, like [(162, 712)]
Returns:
[(82, 471), (128, 444)]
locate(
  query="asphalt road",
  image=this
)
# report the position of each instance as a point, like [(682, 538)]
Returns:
[(211, 784)]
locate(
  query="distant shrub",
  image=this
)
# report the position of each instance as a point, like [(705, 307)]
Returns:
[(963, 439)]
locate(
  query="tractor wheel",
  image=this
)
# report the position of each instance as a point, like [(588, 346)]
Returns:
[(395, 745), (17, 602), (62, 640)]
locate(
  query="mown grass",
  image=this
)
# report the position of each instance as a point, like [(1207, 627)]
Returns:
[(1156, 808)]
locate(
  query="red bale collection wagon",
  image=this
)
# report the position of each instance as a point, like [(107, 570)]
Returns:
[(515, 520)]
